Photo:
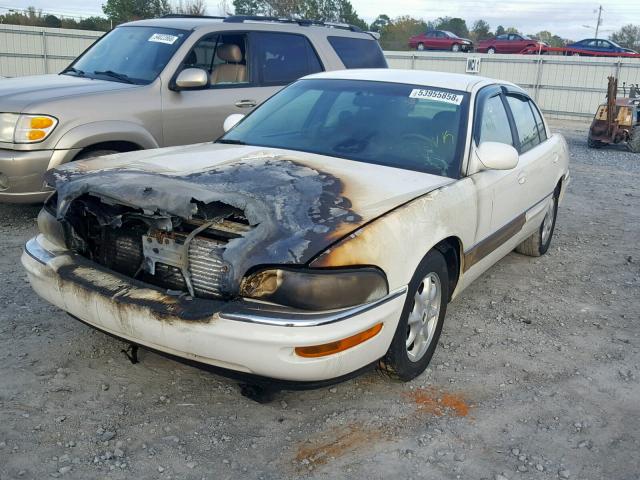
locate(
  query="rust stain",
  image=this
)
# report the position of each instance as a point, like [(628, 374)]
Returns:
[(439, 403), (337, 443)]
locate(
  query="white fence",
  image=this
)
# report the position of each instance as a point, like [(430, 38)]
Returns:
[(35, 50), (564, 87)]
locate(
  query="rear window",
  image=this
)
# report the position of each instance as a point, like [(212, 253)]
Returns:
[(358, 52)]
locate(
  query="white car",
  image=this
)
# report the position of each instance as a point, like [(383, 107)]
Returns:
[(323, 234)]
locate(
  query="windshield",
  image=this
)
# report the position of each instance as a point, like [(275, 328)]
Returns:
[(129, 54), (404, 126)]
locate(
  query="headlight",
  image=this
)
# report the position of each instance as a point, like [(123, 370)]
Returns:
[(8, 123), (316, 289), (33, 128)]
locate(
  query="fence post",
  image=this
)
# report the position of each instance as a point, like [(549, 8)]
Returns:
[(413, 61), (538, 79), (44, 52)]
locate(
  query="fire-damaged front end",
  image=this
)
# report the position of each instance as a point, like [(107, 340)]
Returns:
[(216, 264)]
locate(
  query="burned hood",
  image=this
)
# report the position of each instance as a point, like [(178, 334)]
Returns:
[(297, 204)]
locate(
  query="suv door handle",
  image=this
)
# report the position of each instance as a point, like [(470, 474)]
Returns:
[(246, 103)]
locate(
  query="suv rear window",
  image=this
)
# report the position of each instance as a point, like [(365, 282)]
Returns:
[(358, 52), (285, 57)]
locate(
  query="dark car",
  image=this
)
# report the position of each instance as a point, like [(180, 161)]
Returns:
[(440, 40), (507, 43), (597, 45)]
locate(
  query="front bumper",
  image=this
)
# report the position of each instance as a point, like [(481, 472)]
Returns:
[(21, 173), (242, 336)]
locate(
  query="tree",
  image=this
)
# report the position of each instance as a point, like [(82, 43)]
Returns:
[(191, 7), (512, 30), (380, 23), (550, 39), (628, 36), (52, 21), (480, 31), (454, 25), (396, 34), (125, 10), (500, 30)]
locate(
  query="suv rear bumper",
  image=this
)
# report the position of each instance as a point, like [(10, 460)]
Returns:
[(230, 335), (21, 173)]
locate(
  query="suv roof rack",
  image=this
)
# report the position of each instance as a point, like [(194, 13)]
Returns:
[(187, 15), (303, 22)]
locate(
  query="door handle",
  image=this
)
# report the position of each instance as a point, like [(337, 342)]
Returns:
[(522, 178), (246, 103)]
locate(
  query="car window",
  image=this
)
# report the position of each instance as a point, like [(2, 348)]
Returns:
[(525, 122), (358, 52), (502, 37), (442, 35), (224, 57), (539, 122), (430, 34), (130, 54), (284, 58), (404, 126), (494, 122)]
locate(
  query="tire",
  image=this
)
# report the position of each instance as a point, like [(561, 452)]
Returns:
[(538, 243), (94, 153), (430, 282), (491, 50), (593, 143), (455, 47), (634, 140), (420, 47)]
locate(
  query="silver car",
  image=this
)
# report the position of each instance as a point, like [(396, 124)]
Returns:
[(157, 83)]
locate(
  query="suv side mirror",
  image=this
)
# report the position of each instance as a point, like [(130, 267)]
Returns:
[(192, 78), (497, 156), (231, 121)]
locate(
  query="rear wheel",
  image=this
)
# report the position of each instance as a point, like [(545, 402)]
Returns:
[(416, 337), (538, 243), (634, 140), (421, 46), (491, 50), (455, 47)]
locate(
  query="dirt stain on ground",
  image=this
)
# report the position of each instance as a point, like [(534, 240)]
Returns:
[(337, 442), (439, 403)]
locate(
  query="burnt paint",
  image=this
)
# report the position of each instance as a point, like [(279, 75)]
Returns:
[(294, 210)]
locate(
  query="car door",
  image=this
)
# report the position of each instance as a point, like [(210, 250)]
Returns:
[(516, 43), (431, 42), (443, 41), (197, 115), (502, 44)]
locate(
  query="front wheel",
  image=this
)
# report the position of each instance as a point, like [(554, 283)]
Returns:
[(455, 47), (538, 243), (416, 337), (491, 50), (591, 143)]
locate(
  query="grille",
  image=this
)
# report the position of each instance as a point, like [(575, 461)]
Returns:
[(124, 254)]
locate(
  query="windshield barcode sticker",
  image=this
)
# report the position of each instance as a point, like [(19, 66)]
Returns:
[(437, 95), (163, 38)]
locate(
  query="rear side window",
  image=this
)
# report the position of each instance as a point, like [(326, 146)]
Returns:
[(525, 122), (541, 130), (358, 52), (284, 58), (494, 124)]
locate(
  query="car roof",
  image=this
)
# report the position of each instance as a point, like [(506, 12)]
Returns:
[(454, 81), (207, 23)]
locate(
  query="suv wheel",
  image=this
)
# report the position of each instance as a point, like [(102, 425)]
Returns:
[(491, 50)]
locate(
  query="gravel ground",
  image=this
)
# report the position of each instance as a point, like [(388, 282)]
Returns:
[(537, 376)]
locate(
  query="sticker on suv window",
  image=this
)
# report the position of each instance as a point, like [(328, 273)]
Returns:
[(437, 95), (163, 38)]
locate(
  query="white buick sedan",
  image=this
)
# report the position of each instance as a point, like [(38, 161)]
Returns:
[(323, 234)]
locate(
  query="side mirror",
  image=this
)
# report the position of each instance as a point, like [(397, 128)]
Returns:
[(231, 121), (192, 78), (497, 156)]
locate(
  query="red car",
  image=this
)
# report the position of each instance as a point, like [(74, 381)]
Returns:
[(440, 40), (507, 43)]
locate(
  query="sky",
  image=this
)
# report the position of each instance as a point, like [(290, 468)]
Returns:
[(567, 18)]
